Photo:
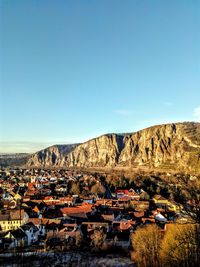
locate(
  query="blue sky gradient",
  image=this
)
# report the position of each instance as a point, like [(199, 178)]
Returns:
[(72, 70)]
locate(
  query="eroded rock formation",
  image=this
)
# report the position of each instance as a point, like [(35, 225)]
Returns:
[(169, 146)]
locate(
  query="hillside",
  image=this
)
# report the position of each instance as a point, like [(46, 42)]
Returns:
[(164, 147), (169, 146), (103, 151), (13, 159)]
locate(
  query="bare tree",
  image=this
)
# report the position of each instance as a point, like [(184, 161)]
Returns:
[(180, 246), (192, 198), (97, 239), (146, 243)]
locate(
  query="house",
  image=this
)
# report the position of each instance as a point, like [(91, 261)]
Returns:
[(127, 193), (78, 212), (15, 196), (58, 240), (137, 216), (31, 231), (67, 201), (69, 227), (89, 226), (121, 232), (8, 204), (108, 217), (122, 225), (89, 200), (123, 201), (53, 226), (15, 239), (140, 205), (159, 217), (12, 219), (53, 212), (161, 202), (41, 225)]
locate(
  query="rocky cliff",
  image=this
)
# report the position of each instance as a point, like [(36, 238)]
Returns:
[(169, 146), (103, 151), (51, 156)]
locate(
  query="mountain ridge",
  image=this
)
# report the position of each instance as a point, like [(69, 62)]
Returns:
[(174, 146)]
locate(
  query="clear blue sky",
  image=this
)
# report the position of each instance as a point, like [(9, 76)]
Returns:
[(72, 70)]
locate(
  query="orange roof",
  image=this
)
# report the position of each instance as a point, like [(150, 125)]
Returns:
[(108, 217), (55, 221), (38, 221), (66, 198), (36, 209), (48, 198), (77, 209), (70, 224), (125, 225), (31, 186)]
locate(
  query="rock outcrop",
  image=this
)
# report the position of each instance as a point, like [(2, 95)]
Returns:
[(103, 151), (51, 156), (170, 146), (166, 147)]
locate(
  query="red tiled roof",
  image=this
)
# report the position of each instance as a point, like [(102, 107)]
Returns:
[(63, 199), (85, 208), (70, 224), (125, 225), (37, 221), (48, 198), (36, 209), (109, 217)]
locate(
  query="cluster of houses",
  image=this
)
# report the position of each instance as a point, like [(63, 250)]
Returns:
[(53, 221)]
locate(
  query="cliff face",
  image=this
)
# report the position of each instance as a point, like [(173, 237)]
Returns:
[(170, 146), (51, 156), (99, 152)]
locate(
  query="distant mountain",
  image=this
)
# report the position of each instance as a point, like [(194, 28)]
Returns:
[(165, 147), (11, 159)]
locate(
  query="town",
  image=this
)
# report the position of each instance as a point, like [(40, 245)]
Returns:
[(62, 210)]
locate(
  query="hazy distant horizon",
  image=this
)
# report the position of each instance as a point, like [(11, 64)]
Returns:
[(73, 70)]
